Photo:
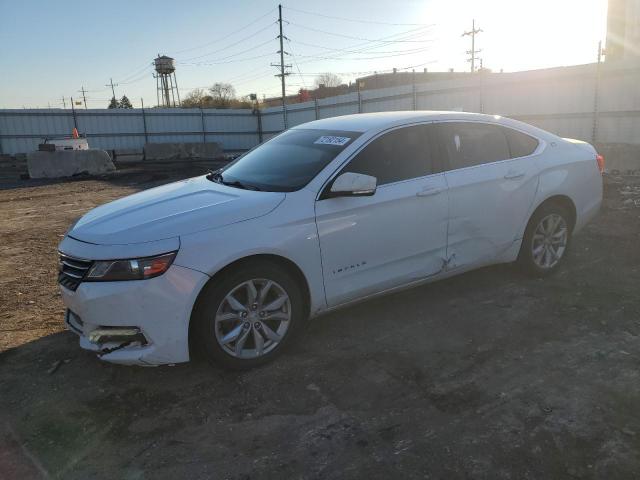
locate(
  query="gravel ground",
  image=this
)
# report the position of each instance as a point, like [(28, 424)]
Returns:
[(487, 375)]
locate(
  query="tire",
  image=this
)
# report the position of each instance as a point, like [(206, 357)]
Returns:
[(227, 315), (554, 244)]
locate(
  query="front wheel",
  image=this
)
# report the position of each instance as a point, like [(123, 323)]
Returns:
[(246, 317), (546, 240)]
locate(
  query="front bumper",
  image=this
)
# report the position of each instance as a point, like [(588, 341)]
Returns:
[(159, 309)]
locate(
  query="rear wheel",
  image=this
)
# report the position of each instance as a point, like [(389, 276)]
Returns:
[(247, 317), (546, 240)]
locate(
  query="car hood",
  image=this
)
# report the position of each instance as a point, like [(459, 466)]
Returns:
[(172, 210)]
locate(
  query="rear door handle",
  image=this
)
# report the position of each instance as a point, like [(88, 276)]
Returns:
[(514, 175), (428, 191)]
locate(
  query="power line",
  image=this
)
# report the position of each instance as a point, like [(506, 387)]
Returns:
[(136, 73), (357, 38), (405, 34), (340, 57), (351, 19), (372, 45), (296, 64), (226, 36), (226, 47), (367, 48), (355, 51), (136, 79), (217, 61), (412, 33), (258, 77), (209, 64)]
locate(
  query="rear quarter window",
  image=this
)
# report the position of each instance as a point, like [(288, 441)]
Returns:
[(520, 144)]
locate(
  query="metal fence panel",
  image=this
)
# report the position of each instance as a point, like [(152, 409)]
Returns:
[(537, 94), (185, 121), (388, 99), (23, 130), (561, 100), (272, 120), (338, 105), (301, 113)]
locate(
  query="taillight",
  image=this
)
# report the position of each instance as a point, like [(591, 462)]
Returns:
[(600, 160)]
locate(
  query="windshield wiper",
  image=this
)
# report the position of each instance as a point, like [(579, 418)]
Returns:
[(216, 176), (238, 184)]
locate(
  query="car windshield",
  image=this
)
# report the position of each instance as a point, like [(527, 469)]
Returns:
[(287, 162)]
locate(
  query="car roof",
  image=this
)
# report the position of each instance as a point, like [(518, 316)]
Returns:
[(364, 122)]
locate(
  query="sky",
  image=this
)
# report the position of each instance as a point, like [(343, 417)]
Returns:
[(53, 49)]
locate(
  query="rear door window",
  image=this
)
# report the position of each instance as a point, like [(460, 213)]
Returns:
[(401, 154), (468, 144)]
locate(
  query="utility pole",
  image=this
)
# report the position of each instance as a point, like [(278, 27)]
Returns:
[(64, 103), (84, 98), (596, 94), (111, 84), (600, 52), (473, 50), (73, 113), (282, 67)]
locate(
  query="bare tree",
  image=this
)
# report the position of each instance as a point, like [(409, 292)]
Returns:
[(197, 98), (328, 80), (223, 94)]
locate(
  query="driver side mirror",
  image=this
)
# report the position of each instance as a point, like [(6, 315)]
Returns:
[(351, 184)]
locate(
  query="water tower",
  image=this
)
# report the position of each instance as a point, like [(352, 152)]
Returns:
[(166, 83)]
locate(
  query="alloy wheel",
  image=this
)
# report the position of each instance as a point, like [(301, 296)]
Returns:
[(253, 318), (549, 241)]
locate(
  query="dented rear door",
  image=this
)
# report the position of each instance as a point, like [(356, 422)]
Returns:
[(490, 193)]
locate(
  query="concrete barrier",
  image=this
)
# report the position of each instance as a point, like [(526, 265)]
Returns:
[(175, 151), (128, 155), (68, 163)]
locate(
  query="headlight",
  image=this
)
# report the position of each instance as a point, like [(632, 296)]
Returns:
[(132, 269)]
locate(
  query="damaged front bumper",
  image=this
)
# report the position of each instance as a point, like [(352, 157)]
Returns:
[(141, 322), (105, 340)]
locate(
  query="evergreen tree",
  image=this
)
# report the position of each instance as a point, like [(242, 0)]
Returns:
[(113, 103), (125, 103)]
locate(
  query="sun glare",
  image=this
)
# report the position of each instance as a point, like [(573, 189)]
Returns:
[(521, 34)]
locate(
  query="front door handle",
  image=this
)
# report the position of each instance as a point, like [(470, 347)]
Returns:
[(514, 175), (428, 191)]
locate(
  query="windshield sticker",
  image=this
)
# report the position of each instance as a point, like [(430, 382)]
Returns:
[(331, 140)]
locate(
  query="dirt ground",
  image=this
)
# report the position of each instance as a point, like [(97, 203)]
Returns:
[(487, 375)]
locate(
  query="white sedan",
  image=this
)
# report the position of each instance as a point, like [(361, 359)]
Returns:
[(323, 215)]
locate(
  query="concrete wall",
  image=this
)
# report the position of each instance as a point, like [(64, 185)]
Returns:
[(599, 106)]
